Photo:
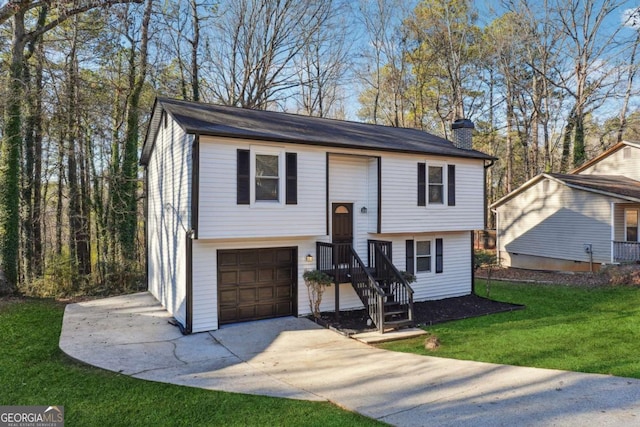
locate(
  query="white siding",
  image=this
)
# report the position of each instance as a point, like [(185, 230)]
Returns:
[(349, 183), (400, 210), (454, 281), (556, 223), (205, 278), (169, 193), (221, 217), (616, 164)]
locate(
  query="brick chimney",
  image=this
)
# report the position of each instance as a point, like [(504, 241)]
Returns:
[(462, 130)]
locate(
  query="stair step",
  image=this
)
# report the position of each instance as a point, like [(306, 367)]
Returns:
[(398, 323), (395, 313)]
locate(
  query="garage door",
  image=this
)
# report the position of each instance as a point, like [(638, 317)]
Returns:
[(256, 284)]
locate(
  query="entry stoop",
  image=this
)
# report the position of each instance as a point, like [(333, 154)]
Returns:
[(376, 337)]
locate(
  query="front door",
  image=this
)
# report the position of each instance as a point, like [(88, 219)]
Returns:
[(342, 231)]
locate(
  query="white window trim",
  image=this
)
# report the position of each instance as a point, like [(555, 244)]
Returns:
[(445, 182), (637, 225), (270, 151)]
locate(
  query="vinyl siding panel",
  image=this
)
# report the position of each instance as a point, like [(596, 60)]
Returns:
[(400, 210), (616, 164), (556, 222), (169, 193), (205, 278), (220, 217), (454, 281), (349, 183)]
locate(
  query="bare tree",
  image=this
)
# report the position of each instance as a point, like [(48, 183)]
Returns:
[(250, 60), (322, 65)]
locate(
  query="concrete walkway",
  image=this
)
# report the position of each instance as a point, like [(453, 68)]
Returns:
[(294, 358)]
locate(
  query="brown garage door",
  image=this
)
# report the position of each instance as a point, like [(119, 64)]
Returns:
[(256, 284)]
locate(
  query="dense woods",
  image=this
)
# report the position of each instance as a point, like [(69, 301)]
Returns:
[(548, 84)]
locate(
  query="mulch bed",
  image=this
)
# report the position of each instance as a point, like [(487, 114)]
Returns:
[(425, 313)]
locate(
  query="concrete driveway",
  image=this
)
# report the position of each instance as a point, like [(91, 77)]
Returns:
[(294, 358)]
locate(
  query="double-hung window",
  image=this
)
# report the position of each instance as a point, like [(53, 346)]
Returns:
[(436, 185), (631, 225), (423, 256), (267, 177)]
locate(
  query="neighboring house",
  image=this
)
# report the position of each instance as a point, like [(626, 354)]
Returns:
[(241, 202), (576, 221)]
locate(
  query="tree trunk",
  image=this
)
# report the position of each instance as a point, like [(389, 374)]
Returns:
[(10, 159)]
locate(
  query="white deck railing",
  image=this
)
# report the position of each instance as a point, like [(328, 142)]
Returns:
[(626, 251)]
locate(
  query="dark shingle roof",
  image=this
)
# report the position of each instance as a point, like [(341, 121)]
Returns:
[(217, 120), (616, 185)]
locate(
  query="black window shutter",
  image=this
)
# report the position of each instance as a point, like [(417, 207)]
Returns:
[(439, 263), (451, 185), (292, 178), (409, 253), (244, 177), (422, 184)]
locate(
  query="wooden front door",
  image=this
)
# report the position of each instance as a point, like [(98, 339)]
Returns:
[(342, 230)]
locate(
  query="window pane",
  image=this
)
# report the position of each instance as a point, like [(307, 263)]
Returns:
[(435, 193), (423, 263), (267, 189), (423, 248), (435, 174), (266, 165), (631, 220)]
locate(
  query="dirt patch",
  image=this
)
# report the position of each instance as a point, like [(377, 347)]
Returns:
[(608, 275), (425, 313)]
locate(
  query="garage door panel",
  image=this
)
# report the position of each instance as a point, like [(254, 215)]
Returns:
[(247, 296), (256, 283), (227, 258), (247, 257), (266, 275), (228, 297), (265, 294), (247, 276), (228, 278)]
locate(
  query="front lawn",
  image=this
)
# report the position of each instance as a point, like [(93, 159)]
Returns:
[(594, 330), (33, 371)]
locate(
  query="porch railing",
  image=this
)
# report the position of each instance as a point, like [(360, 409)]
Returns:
[(626, 251), (334, 259), (392, 281), (384, 246), (380, 287)]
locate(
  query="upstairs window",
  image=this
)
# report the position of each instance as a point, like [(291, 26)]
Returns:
[(436, 185), (267, 177)]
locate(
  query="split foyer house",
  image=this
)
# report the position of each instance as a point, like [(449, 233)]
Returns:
[(574, 221), (239, 203)]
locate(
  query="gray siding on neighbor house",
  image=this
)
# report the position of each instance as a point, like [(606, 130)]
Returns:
[(556, 222), (617, 164)]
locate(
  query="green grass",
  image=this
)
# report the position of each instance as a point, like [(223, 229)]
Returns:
[(570, 328), (33, 371)]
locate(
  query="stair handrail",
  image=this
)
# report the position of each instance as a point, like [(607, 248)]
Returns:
[(374, 309), (387, 266)]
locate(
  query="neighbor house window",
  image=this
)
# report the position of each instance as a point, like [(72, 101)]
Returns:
[(423, 256), (631, 225), (436, 185), (267, 177)]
